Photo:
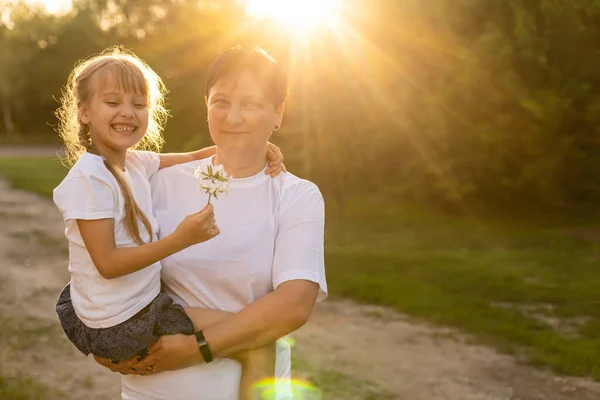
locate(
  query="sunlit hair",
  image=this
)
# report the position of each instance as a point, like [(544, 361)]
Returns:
[(233, 61), (129, 74)]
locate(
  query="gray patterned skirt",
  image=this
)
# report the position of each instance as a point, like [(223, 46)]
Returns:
[(127, 339)]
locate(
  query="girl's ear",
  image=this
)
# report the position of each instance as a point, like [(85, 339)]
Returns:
[(279, 113), (84, 117)]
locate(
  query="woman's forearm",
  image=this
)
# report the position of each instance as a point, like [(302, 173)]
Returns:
[(267, 319), (205, 317), (258, 324)]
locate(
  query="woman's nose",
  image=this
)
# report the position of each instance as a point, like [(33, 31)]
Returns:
[(234, 116)]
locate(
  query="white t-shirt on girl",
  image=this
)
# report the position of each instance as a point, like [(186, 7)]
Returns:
[(90, 192), (271, 232)]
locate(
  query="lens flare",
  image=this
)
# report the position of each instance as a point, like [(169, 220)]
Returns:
[(266, 389), (290, 341)]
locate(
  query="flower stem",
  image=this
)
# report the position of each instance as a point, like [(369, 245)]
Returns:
[(209, 196)]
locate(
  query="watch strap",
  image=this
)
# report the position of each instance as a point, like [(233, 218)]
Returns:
[(203, 347)]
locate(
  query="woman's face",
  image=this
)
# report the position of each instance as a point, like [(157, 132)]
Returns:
[(240, 117)]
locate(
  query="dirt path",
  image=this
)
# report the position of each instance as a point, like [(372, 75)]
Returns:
[(30, 151), (369, 352)]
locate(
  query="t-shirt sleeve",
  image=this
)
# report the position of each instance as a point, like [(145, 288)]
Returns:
[(85, 197), (299, 245), (150, 161)]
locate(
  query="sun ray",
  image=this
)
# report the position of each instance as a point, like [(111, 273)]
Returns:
[(296, 15)]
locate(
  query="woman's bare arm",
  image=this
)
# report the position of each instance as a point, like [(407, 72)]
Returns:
[(267, 319), (204, 317)]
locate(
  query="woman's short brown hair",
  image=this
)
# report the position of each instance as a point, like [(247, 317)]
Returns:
[(233, 61)]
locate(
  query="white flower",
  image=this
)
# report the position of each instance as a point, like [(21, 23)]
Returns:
[(204, 186), (213, 188), (222, 187), (213, 180), (202, 171), (218, 169)]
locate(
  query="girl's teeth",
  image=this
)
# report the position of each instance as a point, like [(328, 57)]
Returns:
[(124, 128)]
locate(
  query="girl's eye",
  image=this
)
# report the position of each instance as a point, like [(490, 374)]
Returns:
[(140, 105), (112, 103), (252, 104)]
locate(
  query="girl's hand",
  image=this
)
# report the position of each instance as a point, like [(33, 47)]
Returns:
[(169, 353), (275, 160), (198, 227)]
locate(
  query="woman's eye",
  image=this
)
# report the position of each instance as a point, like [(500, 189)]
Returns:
[(112, 103), (251, 104), (140, 105)]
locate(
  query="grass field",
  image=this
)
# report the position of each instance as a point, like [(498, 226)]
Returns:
[(527, 287), (39, 175), (20, 388)]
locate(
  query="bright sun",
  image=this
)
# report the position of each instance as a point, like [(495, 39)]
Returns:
[(53, 6), (297, 14)]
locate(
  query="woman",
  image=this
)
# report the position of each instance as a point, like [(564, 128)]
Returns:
[(266, 267)]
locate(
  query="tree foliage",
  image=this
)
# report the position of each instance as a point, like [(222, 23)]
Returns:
[(459, 104)]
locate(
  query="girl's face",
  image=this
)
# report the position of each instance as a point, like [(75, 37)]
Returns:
[(117, 120), (240, 117)]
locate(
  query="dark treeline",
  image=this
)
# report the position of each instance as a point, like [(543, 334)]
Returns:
[(457, 104)]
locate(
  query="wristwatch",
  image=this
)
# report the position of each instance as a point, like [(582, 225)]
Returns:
[(203, 347)]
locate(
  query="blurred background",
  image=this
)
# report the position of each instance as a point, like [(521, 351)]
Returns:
[(456, 142), (454, 104)]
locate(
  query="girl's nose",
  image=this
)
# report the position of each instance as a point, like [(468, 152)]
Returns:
[(127, 111)]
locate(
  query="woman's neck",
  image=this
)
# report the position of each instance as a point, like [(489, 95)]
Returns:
[(241, 165)]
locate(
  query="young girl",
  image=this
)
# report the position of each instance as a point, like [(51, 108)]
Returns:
[(113, 306)]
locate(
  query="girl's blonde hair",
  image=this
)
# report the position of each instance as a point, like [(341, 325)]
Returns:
[(130, 74)]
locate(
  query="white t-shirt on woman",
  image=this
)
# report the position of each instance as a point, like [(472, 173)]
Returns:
[(271, 232)]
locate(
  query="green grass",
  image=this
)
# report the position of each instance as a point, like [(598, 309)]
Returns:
[(38, 175), (21, 388), (499, 281)]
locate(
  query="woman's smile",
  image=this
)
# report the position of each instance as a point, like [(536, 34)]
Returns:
[(234, 132)]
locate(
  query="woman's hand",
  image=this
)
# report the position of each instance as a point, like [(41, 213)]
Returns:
[(123, 367), (170, 352), (275, 159), (260, 356), (257, 365)]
